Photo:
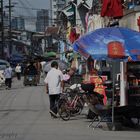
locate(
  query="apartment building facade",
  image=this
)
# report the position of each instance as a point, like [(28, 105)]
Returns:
[(56, 6), (42, 20)]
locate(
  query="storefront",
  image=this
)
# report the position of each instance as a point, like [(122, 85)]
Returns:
[(133, 83)]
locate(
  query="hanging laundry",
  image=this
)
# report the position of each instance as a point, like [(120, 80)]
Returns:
[(89, 22), (62, 51), (73, 35), (93, 22), (98, 21), (112, 8), (68, 30), (79, 30)]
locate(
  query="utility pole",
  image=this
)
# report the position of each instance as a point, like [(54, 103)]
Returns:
[(44, 18), (2, 30), (51, 12), (10, 33)]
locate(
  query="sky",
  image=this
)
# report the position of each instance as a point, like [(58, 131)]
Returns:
[(28, 8), (38, 4)]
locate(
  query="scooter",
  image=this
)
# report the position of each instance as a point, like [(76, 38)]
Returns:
[(30, 80)]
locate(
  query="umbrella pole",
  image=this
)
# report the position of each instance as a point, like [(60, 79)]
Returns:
[(113, 94)]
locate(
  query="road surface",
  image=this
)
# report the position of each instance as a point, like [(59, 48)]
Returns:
[(24, 116)]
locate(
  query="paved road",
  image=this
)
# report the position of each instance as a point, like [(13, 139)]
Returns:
[(24, 116)]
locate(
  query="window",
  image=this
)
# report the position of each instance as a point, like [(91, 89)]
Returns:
[(55, 13)]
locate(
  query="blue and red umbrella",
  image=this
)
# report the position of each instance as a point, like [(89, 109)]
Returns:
[(110, 42)]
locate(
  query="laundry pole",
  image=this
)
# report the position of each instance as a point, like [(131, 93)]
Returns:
[(123, 84)]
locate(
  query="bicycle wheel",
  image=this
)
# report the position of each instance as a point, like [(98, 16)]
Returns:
[(78, 108), (63, 110)]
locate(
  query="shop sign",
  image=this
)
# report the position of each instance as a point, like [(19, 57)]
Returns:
[(116, 49)]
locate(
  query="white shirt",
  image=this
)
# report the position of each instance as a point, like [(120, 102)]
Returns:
[(18, 69), (53, 79), (8, 72)]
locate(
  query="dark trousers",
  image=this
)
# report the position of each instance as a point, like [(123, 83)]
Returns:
[(53, 102), (18, 75), (8, 82)]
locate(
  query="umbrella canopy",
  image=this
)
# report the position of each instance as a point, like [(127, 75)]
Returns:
[(108, 43), (50, 54), (62, 65)]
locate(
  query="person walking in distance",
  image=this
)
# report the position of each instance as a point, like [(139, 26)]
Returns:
[(18, 71), (54, 86), (8, 77), (39, 69)]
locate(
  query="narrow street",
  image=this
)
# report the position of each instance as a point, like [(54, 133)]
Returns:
[(24, 116)]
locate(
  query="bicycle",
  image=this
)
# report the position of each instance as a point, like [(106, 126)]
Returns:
[(71, 105), (60, 105)]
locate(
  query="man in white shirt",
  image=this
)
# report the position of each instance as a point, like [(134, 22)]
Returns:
[(18, 71), (54, 86), (8, 77)]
